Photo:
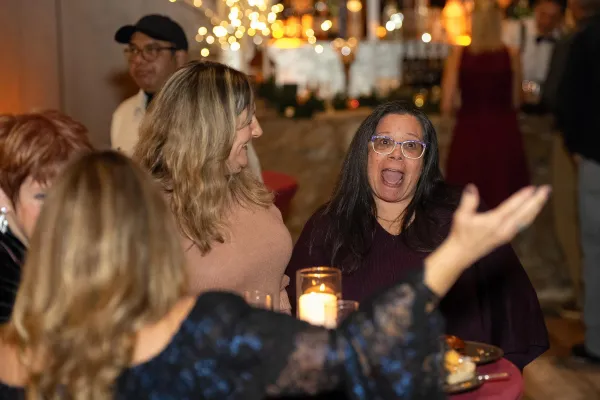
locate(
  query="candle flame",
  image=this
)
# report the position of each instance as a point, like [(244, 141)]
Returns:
[(322, 287)]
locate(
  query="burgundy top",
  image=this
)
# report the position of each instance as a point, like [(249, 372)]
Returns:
[(492, 302)]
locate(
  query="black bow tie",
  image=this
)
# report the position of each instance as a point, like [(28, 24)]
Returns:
[(549, 39)]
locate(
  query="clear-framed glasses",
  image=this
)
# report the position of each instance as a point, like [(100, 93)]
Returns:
[(385, 145), (149, 52)]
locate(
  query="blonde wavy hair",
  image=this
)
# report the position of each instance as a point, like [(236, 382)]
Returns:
[(185, 141), (104, 261), (486, 26)]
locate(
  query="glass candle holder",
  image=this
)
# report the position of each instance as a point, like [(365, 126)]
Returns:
[(317, 289)]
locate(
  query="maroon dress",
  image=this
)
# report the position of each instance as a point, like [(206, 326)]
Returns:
[(487, 148)]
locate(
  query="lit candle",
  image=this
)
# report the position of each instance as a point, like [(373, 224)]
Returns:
[(318, 289), (318, 307)]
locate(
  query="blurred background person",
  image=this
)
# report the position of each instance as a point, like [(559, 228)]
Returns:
[(534, 39), (564, 171), (487, 147), (34, 148), (579, 122)]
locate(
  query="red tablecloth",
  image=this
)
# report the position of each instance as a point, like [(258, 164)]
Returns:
[(511, 389), (284, 187)]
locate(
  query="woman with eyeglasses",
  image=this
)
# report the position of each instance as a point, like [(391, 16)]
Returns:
[(103, 311), (390, 210)]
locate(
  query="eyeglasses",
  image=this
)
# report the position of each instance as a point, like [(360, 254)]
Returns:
[(149, 52), (385, 145)]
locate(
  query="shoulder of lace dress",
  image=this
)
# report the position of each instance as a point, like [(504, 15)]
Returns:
[(391, 345)]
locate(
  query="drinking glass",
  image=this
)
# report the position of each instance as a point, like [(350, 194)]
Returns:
[(342, 309), (345, 308), (259, 299)]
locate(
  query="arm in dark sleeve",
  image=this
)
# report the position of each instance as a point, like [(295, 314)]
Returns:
[(573, 92), (309, 251), (555, 73), (390, 348), (516, 322)]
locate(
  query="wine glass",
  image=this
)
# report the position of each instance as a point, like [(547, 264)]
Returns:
[(345, 308), (342, 309)]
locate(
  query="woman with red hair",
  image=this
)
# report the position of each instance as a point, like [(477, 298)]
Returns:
[(33, 149)]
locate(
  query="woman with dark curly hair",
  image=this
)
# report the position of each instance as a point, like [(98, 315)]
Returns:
[(390, 210)]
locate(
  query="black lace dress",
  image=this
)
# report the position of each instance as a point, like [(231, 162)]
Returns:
[(389, 349), (12, 254)]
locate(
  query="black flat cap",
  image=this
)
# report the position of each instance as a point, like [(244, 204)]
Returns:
[(157, 27)]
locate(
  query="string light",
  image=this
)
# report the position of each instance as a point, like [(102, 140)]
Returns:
[(253, 18), (245, 18)]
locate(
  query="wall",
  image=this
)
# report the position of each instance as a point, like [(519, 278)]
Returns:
[(29, 73), (61, 54)]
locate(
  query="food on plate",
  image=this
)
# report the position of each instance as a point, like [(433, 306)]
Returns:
[(459, 368), (455, 343)]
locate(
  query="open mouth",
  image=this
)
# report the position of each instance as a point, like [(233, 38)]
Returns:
[(392, 177)]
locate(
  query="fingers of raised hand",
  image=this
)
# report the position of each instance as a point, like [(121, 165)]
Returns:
[(469, 200), (520, 218), (514, 202)]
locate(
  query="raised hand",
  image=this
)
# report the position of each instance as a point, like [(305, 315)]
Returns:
[(480, 233), (473, 234)]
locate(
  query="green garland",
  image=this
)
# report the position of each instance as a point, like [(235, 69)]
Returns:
[(285, 100)]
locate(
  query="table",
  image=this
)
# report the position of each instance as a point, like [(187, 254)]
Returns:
[(511, 389)]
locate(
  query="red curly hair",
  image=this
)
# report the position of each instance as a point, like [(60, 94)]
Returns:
[(37, 145)]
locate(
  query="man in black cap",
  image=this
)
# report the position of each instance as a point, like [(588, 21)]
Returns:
[(156, 48)]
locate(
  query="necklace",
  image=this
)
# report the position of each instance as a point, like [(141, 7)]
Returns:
[(387, 220)]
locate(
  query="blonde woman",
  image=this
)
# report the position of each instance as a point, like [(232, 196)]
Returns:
[(487, 148), (194, 141), (101, 312)]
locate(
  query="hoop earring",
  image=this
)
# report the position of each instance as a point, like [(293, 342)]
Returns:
[(3, 220)]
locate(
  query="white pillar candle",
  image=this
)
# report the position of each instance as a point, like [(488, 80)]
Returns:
[(318, 308)]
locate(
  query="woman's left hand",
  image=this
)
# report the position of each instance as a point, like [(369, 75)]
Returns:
[(477, 234), (474, 234)]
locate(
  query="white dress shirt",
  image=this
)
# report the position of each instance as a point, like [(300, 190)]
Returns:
[(126, 120), (535, 57)]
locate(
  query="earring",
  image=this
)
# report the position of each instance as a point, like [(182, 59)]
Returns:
[(3, 220)]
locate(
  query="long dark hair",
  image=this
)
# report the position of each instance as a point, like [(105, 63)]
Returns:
[(352, 213)]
